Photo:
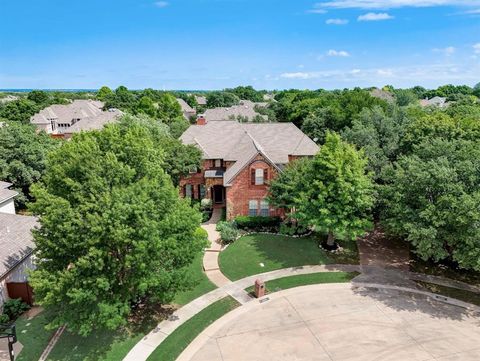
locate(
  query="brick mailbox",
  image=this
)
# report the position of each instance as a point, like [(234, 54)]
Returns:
[(259, 288)]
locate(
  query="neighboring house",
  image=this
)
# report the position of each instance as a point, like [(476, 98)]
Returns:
[(239, 160), (8, 98), (382, 94), (201, 100), (439, 102), (7, 196), (16, 247), (63, 120), (245, 110), (187, 110)]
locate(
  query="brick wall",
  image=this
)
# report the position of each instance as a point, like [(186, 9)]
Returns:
[(242, 191)]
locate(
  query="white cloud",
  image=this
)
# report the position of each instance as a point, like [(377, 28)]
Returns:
[(341, 53), (416, 74), (476, 48), (375, 17), (337, 22), (161, 4), (391, 4), (472, 12), (297, 75), (449, 50)]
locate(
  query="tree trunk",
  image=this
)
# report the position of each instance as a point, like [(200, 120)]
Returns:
[(331, 239)]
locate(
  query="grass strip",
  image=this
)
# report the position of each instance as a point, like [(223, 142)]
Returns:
[(179, 339), (308, 279)]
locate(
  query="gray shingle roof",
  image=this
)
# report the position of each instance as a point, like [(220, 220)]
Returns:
[(246, 109), (5, 193), (201, 100), (185, 107), (240, 142), (16, 240), (79, 115), (95, 123), (4, 185)]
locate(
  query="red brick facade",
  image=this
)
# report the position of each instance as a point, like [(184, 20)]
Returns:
[(242, 189)]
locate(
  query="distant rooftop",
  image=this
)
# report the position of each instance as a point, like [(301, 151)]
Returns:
[(246, 109), (75, 117)]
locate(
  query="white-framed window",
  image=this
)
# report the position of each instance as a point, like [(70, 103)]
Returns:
[(193, 169), (201, 191), (188, 191), (258, 177), (264, 208), (252, 207), (218, 163)]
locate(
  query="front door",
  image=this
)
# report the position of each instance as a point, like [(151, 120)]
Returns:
[(218, 194)]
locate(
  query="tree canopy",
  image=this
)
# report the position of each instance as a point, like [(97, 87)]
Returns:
[(433, 200), (114, 231), (24, 153), (331, 192)]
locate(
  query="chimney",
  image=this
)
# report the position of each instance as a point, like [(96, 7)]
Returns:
[(201, 120)]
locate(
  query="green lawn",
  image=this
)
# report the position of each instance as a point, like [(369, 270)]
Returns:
[(104, 345), (308, 279), (33, 336), (244, 257), (199, 280), (174, 344)]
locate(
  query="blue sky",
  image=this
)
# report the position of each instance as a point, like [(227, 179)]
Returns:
[(212, 44)]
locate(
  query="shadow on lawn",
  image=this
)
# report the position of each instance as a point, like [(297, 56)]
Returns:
[(109, 345)]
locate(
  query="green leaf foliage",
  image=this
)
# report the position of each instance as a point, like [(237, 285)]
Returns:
[(24, 153), (114, 231), (337, 193), (433, 200)]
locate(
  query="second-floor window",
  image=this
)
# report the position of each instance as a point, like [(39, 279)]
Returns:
[(258, 176), (218, 163)]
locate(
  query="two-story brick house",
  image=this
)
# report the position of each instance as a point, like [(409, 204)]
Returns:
[(239, 160)]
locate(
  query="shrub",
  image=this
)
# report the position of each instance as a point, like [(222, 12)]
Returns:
[(14, 308), (257, 223), (290, 229), (206, 203), (206, 215), (200, 232), (228, 231), (4, 319)]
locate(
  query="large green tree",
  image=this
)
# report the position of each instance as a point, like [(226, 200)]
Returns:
[(20, 110), (433, 200), (379, 133), (338, 192), (114, 231), (23, 156), (221, 99), (331, 192)]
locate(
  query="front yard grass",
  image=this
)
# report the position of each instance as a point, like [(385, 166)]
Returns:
[(179, 339), (102, 345), (32, 335), (259, 253), (285, 283)]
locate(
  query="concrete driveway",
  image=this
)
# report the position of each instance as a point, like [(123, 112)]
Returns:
[(336, 322)]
